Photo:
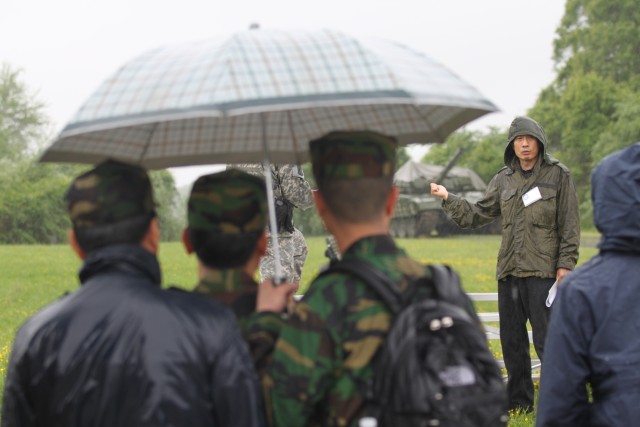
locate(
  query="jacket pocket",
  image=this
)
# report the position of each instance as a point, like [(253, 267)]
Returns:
[(543, 212), (508, 206)]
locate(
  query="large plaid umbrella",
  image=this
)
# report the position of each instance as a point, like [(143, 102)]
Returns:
[(262, 95), (221, 100)]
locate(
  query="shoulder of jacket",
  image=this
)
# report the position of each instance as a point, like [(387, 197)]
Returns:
[(195, 302), (502, 172), (564, 168)]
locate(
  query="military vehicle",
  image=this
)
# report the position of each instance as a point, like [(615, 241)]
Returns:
[(418, 213)]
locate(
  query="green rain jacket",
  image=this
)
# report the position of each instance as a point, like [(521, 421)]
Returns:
[(537, 239)]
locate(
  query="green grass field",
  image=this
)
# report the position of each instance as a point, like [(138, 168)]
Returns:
[(35, 275)]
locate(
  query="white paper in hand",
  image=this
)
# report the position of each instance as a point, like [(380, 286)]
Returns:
[(552, 294)]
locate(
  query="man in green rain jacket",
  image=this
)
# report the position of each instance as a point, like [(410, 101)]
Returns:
[(536, 200)]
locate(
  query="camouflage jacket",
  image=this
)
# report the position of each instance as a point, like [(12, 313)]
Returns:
[(537, 239), (233, 288), (288, 183), (322, 354)]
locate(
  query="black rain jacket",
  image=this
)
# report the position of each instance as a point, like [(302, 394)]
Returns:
[(121, 351)]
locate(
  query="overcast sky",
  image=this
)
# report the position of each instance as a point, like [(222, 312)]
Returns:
[(66, 48)]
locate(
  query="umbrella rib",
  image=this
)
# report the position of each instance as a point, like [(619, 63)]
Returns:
[(294, 136), (428, 123), (147, 144)]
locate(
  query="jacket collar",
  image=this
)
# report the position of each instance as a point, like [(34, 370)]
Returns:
[(230, 280), (125, 258)]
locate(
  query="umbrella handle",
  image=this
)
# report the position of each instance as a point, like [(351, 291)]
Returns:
[(273, 233)]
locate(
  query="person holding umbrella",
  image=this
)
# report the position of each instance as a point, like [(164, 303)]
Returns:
[(122, 351), (322, 353)]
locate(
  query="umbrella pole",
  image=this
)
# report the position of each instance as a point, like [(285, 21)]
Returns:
[(273, 232)]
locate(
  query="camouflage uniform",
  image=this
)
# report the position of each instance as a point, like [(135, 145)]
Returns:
[(321, 360), (288, 183), (229, 202)]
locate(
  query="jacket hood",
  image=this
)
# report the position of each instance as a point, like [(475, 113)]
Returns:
[(615, 192), (525, 126)]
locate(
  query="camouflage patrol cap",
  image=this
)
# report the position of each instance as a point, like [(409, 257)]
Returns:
[(109, 193), (353, 155), (228, 202)]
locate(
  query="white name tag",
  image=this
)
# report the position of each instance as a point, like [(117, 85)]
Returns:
[(531, 196)]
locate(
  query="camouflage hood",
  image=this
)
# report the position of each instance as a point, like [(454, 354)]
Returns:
[(526, 126)]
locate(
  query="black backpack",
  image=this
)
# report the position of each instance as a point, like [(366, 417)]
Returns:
[(435, 367)]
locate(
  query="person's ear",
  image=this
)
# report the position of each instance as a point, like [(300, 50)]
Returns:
[(319, 203), (325, 214), (186, 241), (151, 239), (73, 241), (392, 199), (261, 245)]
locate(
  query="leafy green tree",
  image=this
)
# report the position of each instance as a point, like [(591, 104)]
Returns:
[(171, 209), (483, 151), (574, 119), (23, 124), (402, 157), (32, 208), (601, 37), (31, 194), (590, 109)]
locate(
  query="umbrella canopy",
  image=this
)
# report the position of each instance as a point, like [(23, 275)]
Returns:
[(223, 100)]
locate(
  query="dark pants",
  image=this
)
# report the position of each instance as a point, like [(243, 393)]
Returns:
[(519, 299)]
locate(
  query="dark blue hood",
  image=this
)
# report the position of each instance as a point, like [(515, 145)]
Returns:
[(615, 191)]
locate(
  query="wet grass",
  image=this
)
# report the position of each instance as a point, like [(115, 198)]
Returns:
[(35, 275)]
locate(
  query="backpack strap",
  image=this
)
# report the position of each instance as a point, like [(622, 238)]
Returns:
[(373, 277), (447, 283), (445, 280), (449, 289)]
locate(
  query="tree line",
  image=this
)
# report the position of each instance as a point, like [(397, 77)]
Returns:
[(32, 209), (589, 110)]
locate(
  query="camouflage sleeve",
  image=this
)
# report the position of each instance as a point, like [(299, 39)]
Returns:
[(483, 212), (299, 374), (262, 331), (295, 188)]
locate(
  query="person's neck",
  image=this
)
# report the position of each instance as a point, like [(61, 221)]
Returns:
[(204, 271), (527, 165), (347, 234)]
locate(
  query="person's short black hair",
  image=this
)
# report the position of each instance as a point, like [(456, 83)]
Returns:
[(128, 231), (220, 250), (356, 200)]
